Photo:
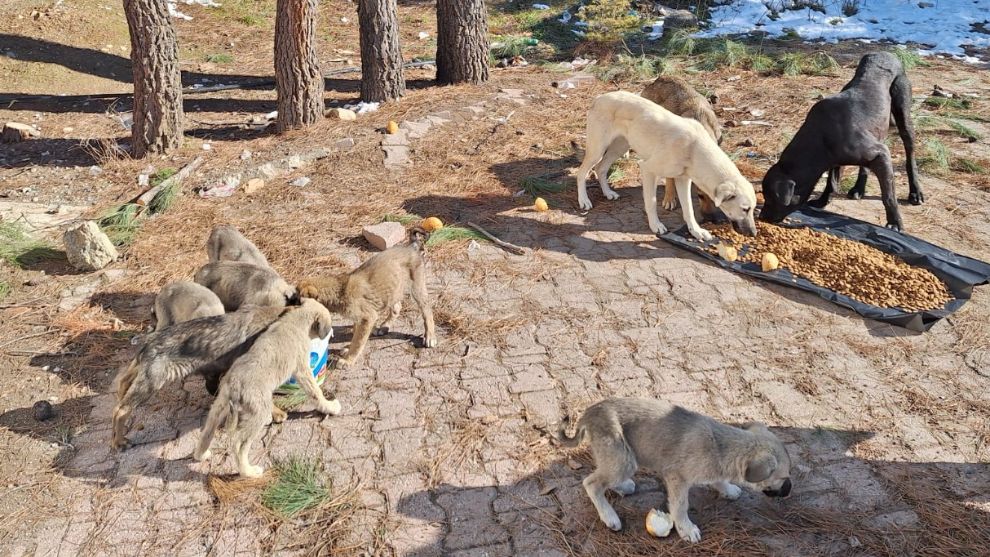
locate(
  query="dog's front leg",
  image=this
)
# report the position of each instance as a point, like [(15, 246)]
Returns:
[(304, 377), (677, 505), (683, 184), (884, 170), (831, 185), (727, 490), (650, 200)]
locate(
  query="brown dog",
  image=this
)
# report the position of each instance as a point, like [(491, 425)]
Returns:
[(677, 96), (371, 295)]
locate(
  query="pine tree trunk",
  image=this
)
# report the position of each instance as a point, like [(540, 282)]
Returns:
[(381, 58), (157, 124), (298, 81), (462, 41)]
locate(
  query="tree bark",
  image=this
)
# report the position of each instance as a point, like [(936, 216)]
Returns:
[(381, 57), (157, 124), (462, 41), (298, 81)]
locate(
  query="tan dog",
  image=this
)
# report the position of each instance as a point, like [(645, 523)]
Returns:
[(668, 146), (684, 448), (238, 284), (677, 96), (371, 295), (245, 397), (207, 345), (182, 301), (227, 244)]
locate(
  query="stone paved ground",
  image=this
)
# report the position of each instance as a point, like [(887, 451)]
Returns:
[(887, 429)]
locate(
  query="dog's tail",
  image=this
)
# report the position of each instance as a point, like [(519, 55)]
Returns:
[(126, 376), (564, 440), (418, 236)]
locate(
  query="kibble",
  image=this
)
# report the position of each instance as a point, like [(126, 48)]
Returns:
[(856, 270)]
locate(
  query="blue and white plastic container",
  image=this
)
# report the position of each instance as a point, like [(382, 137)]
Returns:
[(319, 356)]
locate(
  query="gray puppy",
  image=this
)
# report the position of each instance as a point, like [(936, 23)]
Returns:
[(227, 244), (183, 301), (246, 390), (238, 284), (682, 447), (208, 345)]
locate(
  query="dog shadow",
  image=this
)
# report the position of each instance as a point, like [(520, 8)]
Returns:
[(840, 504)]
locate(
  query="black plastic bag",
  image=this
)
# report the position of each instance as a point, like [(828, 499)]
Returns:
[(960, 273)]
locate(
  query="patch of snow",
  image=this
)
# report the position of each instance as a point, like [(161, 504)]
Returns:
[(174, 11), (362, 107), (654, 30), (945, 27), (540, 7)]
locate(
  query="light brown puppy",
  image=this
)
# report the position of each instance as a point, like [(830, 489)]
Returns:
[(227, 244), (371, 295), (182, 301), (677, 96), (238, 284), (245, 397)]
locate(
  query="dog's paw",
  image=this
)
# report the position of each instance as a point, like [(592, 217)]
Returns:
[(251, 471), (916, 198), (201, 456), (584, 202), (331, 407), (658, 229), (611, 519), (819, 203), (120, 445), (380, 331), (730, 491), (627, 487), (610, 194), (430, 341), (894, 226), (701, 234), (855, 194), (343, 363), (669, 205), (690, 533), (278, 415)]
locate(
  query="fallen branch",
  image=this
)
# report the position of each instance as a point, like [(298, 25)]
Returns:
[(512, 248), (145, 198)]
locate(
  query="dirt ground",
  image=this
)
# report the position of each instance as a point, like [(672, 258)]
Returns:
[(442, 451)]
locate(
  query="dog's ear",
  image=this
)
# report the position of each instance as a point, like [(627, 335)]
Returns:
[(322, 326), (760, 467), (308, 289), (723, 192), (785, 191)]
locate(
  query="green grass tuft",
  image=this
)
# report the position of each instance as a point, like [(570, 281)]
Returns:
[(509, 46), (220, 58), (625, 67), (724, 54), (299, 487), (121, 224), (251, 20), (20, 249), (791, 64), (964, 130), (4, 289), (681, 43), (821, 63), (935, 157), (540, 185), (944, 102), (968, 166), (761, 63), (909, 57), (446, 234), (404, 220)]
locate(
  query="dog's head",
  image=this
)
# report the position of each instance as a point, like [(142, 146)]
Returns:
[(780, 195), (322, 324), (737, 200), (769, 467)]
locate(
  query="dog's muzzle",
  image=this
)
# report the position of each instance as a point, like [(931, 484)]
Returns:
[(746, 227), (784, 491)]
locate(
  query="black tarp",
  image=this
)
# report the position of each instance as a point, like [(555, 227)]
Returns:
[(960, 273)]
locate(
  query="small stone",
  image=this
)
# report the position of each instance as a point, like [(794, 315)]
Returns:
[(245, 155), (747, 143), (295, 161), (143, 180), (88, 248), (253, 185), (207, 147), (854, 541), (574, 465), (344, 114), (14, 132), (300, 182), (344, 144), (43, 411), (95, 170), (384, 234)]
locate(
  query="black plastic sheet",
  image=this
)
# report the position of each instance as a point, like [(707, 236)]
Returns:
[(960, 273)]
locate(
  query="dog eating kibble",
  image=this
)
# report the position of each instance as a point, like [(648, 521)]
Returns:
[(856, 270)]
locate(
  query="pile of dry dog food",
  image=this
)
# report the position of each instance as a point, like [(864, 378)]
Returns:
[(859, 271)]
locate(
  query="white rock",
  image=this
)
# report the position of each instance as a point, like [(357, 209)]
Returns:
[(88, 248), (384, 234), (341, 114), (245, 155), (300, 182)]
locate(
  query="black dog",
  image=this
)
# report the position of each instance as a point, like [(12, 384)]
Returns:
[(848, 129)]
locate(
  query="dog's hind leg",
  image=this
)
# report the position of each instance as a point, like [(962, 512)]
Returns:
[(859, 190), (593, 154), (137, 392), (248, 428), (616, 149), (615, 465), (669, 195), (900, 105), (882, 166), (391, 313), (677, 505), (650, 200), (213, 420), (422, 298), (831, 185), (359, 337)]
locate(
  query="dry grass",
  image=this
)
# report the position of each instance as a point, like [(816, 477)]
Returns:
[(467, 438)]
